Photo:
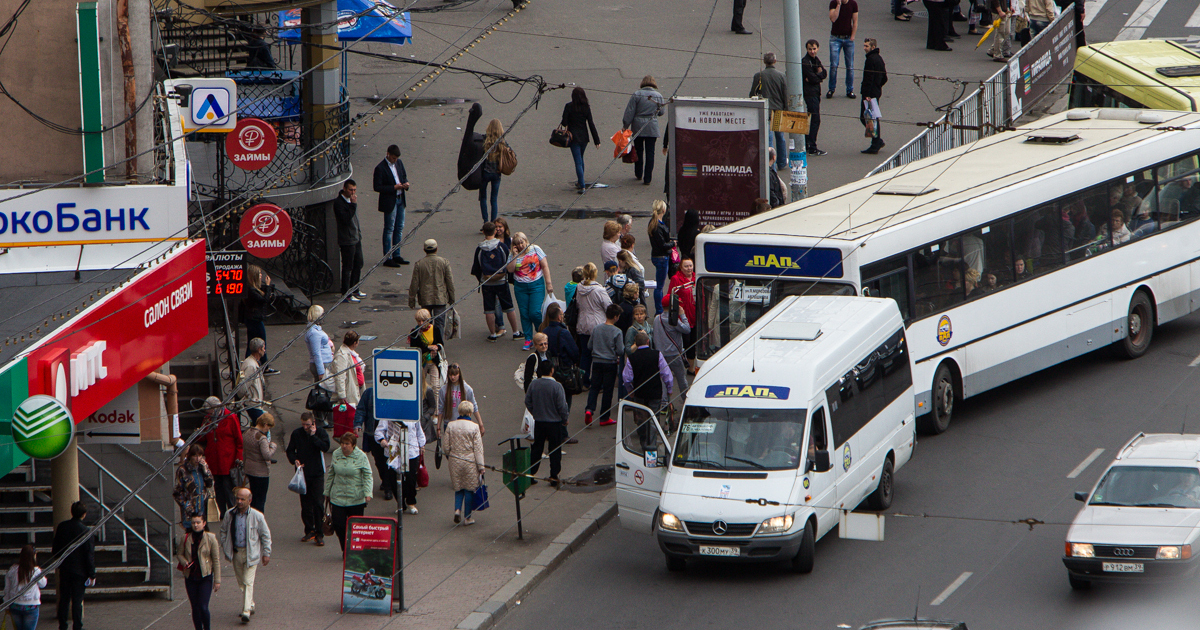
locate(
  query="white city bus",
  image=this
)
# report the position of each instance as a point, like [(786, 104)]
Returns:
[(1006, 256)]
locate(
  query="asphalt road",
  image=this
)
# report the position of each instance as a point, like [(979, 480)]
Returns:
[(1007, 457)]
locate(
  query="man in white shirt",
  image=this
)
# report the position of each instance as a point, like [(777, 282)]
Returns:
[(391, 182)]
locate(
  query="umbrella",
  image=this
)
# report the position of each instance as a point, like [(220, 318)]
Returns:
[(989, 32), (357, 18)]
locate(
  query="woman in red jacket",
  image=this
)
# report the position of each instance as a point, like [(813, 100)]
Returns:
[(222, 448), (683, 288)]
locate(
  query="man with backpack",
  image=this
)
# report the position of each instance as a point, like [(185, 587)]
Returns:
[(488, 267)]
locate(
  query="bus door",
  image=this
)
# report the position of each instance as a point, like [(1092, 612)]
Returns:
[(819, 482)]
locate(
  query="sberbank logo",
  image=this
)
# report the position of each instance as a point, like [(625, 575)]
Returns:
[(43, 427), (772, 261)]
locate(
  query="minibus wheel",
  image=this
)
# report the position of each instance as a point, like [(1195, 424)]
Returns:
[(803, 562), (881, 499)]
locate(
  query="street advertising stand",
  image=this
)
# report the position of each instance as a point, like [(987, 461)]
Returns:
[(368, 565), (718, 158)]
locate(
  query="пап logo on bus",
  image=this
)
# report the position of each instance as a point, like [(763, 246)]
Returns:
[(773, 261), (747, 391), (944, 330)]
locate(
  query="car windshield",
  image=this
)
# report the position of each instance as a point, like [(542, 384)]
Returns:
[(1149, 486), (739, 439)]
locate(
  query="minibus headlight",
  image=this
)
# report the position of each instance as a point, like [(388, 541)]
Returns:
[(776, 525), (669, 522)]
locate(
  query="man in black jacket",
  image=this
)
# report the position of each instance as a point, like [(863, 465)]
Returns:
[(391, 182), (345, 211), (814, 78), (306, 449), (874, 77), (78, 569)]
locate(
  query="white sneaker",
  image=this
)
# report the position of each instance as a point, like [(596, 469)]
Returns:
[(468, 521), (360, 294), (412, 509)]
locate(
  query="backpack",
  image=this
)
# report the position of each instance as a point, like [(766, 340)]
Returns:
[(571, 316), (492, 262)]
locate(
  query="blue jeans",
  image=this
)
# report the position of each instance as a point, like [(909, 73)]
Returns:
[(776, 139), (838, 46), (24, 617), (199, 594), (662, 265), (530, 296), (494, 179), (577, 155), (1037, 26), (393, 230), (255, 328), (463, 500)]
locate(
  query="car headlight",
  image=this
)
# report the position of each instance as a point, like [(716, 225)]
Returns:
[(669, 522), (1081, 550), (776, 525), (1173, 552)]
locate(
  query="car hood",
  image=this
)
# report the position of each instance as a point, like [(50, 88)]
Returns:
[(1111, 525)]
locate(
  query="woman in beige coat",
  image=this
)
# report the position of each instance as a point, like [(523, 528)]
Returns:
[(348, 377), (258, 450), (464, 449), (198, 557)]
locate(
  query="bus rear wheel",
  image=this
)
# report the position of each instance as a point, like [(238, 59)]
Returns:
[(1140, 325), (943, 394)]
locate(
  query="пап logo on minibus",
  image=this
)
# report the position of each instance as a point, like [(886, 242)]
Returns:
[(747, 391)]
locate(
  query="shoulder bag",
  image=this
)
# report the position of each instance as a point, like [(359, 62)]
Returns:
[(560, 137), (506, 161), (318, 399)]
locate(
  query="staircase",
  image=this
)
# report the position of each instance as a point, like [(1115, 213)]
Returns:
[(126, 566)]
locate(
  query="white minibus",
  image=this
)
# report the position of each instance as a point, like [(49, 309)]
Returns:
[(808, 412)]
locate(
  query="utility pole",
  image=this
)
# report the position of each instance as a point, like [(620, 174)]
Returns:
[(794, 50)]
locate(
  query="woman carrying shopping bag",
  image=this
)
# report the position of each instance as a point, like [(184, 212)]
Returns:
[(464, 448), (531, 270)]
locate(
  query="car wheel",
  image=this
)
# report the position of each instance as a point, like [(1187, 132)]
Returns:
[(676, 564), (938, 418), (1140, 323), (881, 499), (1078, 584), (803, 562)]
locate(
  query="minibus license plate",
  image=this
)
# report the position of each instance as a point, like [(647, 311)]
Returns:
[(731, 552), (1123, 567)]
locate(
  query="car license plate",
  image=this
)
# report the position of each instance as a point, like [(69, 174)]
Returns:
[(731, 552), (1123, 567)]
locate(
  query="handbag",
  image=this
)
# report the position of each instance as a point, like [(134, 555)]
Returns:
[(506, 159), (569, 376), (519, 374), (237, 474), (318, 399), (298, 484), (630, 156), (560, 137), (422, 473), (481, 497), (676, 257), (343, 420), (214, 512), (327, 522), (437, 454)]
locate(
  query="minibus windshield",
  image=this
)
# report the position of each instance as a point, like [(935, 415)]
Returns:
[(716, 438)]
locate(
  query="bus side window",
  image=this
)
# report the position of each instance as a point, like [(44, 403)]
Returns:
[(889, 279), (817, 440), (1178, 194)]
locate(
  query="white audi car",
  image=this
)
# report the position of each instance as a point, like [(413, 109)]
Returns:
[(1142, 520)]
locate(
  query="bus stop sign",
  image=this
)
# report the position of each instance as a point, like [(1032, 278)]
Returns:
[(397, 383)]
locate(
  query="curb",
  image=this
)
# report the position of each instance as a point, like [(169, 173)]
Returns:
[(569, 541)]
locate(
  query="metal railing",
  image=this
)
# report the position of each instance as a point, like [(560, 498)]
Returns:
[(978, 115), (143, 536)]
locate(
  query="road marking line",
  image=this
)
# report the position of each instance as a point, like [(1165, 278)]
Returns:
[(1084, 464), (950, 589), (1195, 361), (1140, 20), (1194, 22), (1091, 8)]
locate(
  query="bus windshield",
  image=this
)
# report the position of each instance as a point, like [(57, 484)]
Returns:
[(716, 438), (729, 305)]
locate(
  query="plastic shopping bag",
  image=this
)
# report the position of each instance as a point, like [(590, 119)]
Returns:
[(622, 140), (527, 426), (551, 299), (481, 497), (297, 484)]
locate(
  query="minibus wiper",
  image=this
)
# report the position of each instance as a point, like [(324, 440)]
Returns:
[(746, 461), (702, 462)]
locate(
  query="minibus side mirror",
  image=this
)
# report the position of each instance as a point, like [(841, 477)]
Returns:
[(1081, 496), (822, 464)]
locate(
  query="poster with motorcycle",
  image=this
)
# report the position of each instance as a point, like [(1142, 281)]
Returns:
[(369, 565)]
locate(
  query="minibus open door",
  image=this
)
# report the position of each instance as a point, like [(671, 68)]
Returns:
[(641, 461)]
